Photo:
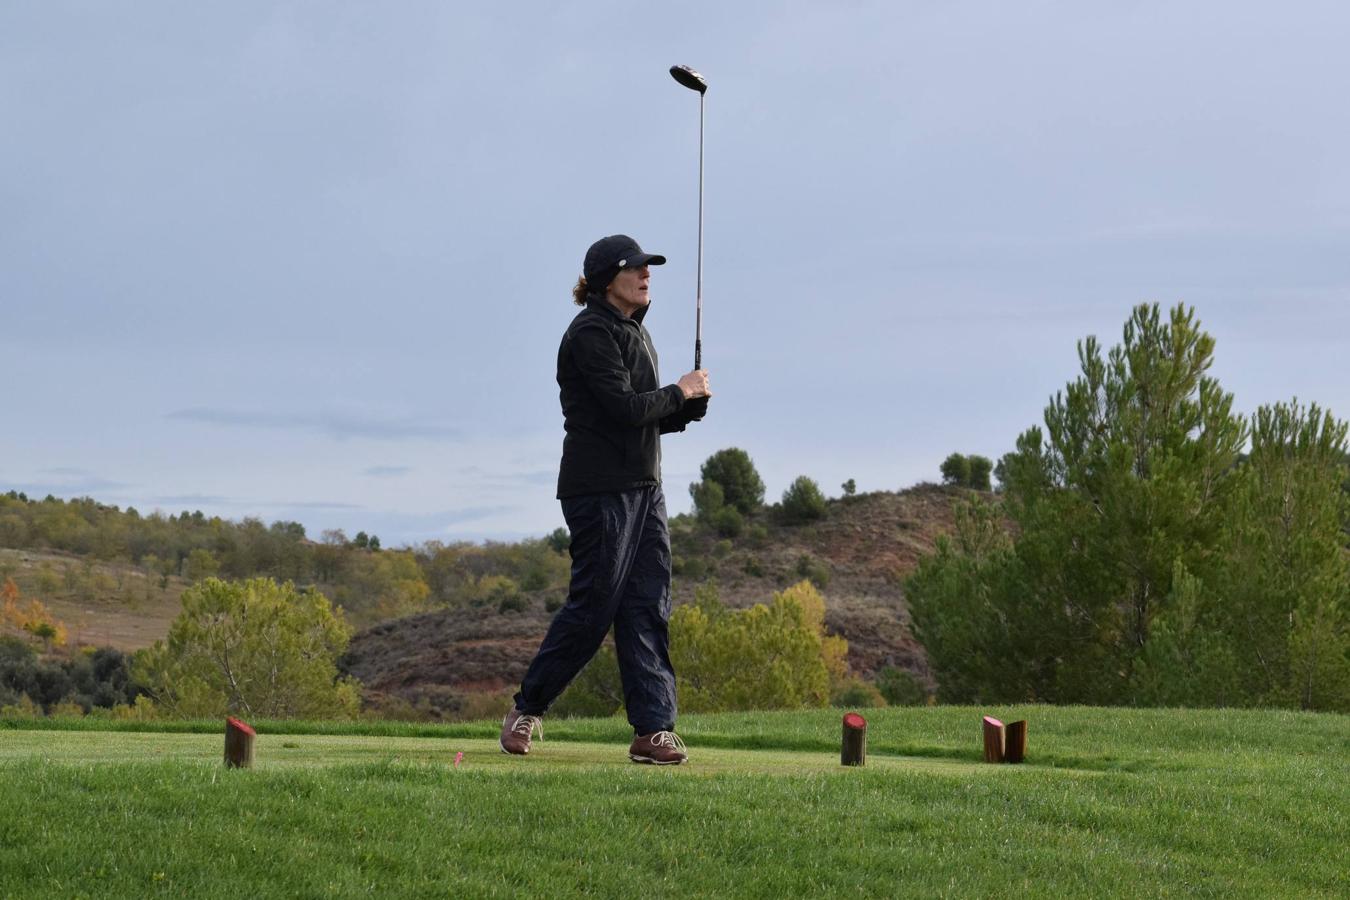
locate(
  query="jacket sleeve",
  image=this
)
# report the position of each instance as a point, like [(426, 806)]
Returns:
[(692, 411), (597, 357)]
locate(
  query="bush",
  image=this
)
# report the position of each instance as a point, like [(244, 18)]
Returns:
[(728, 522), (513, 603), (854, 693), (535, 579), (900, 688), (733, 471), (770, 656), (813, 569), (849, 487), (980, 467), (596, 691), (708, 499), (956, 470), (694, 568), (24, 708), (475, 706), (559, 540), (968, 471), (802, 501), (252, 647)]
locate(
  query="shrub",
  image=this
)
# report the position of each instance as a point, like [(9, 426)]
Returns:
[(513, 603), (728, 522), (708, 499), (559, 540), (968, 471), (596, 691), (802, 501), (24, 708), (67, 709), (770, 656), (734, 471), (956, 470), (813, 569), (475, 706), (694, 568), (980, 467), (901, 688), (854, 693), (534, 579), (253, 647)]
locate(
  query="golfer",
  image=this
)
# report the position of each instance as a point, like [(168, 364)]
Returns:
[(615, 411)]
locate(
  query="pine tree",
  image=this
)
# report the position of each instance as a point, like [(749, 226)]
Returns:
[(1130, 475)]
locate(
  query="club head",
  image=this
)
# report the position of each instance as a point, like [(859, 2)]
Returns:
[(689, 78)]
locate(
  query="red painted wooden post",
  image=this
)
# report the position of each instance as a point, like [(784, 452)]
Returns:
[(854, 750), (238, 744), (993, 740)]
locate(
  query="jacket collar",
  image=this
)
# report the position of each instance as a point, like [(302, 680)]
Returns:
[(602, 305)]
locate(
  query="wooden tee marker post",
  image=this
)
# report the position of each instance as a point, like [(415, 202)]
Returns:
[(1015, 742), (993, 740), (1004, 743), (238, 744), (854, 749)]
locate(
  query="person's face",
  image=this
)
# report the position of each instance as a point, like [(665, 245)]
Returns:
[(628, 290)]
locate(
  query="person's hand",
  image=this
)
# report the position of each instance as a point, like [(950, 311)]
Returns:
[(695, 384)]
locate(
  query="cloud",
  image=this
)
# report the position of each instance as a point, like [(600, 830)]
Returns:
[(541, 477), (327, 422), (67, 482), (470, 514), (386, 471), (533, 477), (192, 500)]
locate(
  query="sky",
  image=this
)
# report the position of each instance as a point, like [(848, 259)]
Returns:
[(312, 261)]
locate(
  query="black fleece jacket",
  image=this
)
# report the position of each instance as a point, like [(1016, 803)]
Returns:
[(614, 407)]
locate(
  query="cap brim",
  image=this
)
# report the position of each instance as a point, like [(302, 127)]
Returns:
[(645, 259)]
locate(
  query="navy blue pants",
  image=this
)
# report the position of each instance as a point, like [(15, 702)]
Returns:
[(620, 577)]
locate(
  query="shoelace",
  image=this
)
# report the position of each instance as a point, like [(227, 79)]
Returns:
[(526, 725), (668, 739)]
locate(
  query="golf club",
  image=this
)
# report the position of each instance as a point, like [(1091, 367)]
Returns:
[(696, 82)]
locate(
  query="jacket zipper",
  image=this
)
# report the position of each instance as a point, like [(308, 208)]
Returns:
[(656, 376)]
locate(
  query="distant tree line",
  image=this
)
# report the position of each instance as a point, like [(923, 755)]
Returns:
[(371, 583)]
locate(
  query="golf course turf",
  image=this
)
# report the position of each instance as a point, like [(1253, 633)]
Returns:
[(1110, 802)]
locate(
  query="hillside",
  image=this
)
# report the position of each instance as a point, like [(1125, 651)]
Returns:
[(858, 554), (102, 603), (484, 608)]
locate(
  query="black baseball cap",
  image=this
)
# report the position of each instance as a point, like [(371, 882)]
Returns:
[(609, 255)]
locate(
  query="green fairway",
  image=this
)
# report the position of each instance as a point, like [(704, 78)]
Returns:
[(1111, 802)]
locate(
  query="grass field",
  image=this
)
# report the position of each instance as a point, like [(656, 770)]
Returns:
[(1110, 803)]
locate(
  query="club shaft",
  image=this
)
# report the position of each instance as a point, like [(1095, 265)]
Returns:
[(698, 284)]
